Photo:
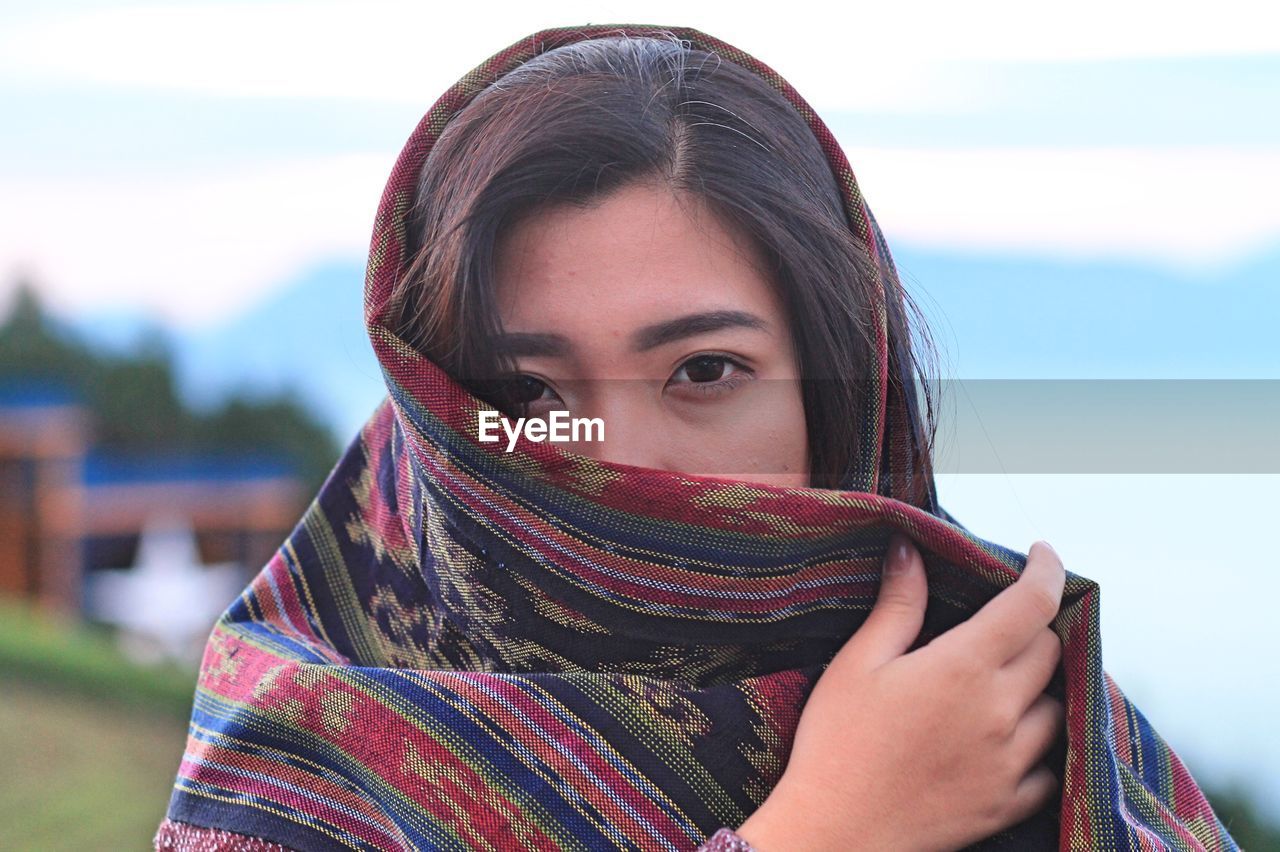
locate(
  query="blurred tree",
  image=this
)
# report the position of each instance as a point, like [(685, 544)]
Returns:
[(276, 424), (135, 401), (1250, 828), (32, 346)]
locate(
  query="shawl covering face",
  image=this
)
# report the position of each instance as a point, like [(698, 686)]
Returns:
[(461, 648)]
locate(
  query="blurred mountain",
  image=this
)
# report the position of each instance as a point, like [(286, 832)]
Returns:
[(307, 338), (993, 316), (1004, 316)]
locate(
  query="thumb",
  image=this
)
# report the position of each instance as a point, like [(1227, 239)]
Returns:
[(898, 614)]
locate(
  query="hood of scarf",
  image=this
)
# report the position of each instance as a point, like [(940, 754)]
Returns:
[(529, 552)]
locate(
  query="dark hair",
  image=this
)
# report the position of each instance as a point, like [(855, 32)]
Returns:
[(576, 123)]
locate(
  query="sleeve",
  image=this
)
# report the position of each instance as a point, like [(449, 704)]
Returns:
[(726, 840), (175, 836)]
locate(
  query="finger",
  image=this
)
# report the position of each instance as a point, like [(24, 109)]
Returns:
[(1037, 789), (898, 614), (1010, 620), (1030, 671), (1038, 729)]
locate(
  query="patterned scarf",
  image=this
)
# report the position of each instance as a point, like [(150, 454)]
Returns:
[(463, 648)]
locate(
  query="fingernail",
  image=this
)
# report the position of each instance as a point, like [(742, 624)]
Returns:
[(898, 560), (1056, 557)]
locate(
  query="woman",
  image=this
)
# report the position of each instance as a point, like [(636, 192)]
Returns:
[(637, 638)]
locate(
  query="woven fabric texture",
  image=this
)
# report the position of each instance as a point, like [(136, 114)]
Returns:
[(459, 647)]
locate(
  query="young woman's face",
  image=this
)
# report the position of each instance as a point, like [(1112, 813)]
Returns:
[(648, 313)]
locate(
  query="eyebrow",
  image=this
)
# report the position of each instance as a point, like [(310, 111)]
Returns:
[(534, 344)]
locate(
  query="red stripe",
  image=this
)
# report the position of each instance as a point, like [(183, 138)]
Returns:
[(307, 693)]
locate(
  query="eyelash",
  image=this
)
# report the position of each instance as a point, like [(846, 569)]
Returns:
[(708, 389), (719, 386)]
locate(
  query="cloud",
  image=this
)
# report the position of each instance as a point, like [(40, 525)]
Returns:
[(200, 247), (1187, 208), (193, 248), (881, 56)]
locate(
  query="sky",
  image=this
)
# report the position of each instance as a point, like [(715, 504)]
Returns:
[(195, 163), (229, 144)]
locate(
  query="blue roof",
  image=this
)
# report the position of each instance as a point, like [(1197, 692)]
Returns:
[(36, 393), (113, 468)]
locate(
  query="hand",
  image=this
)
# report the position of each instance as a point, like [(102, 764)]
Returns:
[(933, 749)]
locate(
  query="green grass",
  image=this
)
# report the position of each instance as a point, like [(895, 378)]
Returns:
[(82, 773), (90, 742), (69, 656)]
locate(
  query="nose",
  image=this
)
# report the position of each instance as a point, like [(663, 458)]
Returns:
[(633, 432)]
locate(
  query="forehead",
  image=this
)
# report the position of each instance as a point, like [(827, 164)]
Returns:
[(641, 251)]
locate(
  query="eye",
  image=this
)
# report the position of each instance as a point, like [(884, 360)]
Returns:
[(522, 390), (711, 374), (525, 388)]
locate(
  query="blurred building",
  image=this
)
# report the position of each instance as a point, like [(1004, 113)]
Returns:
[(73, 515), (44, 437)]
